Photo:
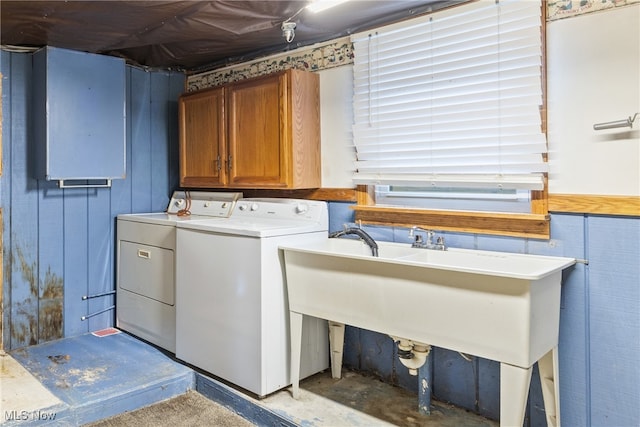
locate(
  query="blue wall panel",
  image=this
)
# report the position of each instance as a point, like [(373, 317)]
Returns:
[(488, 388), (50, 262), (568, 239), (614, 320), (21, 210), (5, 193), (76, 266), (159, 153), (59, 244), (140, 109), (377, 355), (455, 379), (99, 243), (176, 88)]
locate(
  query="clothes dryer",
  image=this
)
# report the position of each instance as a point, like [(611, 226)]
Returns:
[(145, 278)]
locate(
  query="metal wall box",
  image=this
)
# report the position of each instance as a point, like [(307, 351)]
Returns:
[(79, 115)]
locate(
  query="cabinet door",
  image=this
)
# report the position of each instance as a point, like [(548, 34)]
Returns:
[(257, 142), (202, 139)]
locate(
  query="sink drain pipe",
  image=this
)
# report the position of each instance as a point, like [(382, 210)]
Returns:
[(416, 356)]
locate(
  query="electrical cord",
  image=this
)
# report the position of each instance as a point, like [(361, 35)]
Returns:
[(185, 211)]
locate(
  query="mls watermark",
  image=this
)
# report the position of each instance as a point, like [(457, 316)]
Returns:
[(36, 415)]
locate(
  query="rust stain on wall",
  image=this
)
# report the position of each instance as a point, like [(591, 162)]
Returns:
[(29, 272), (1, 240), (51, 308), (39, 317), (50, 320), (52, 286), (25, 333), (21, 332)]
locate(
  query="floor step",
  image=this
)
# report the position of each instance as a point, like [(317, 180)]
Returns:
[(97, 377)]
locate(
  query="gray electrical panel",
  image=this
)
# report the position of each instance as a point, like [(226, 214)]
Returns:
[(79, 115)]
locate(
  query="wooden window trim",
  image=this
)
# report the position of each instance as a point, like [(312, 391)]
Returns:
[(506, 224), (527, 225)]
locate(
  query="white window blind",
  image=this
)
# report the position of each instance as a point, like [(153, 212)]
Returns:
[(452, 99)]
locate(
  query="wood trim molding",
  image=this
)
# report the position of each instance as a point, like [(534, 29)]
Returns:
[(595, 204), (328, 194), (505, 224)]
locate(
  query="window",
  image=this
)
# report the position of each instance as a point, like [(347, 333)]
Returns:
[(470, 199), (447, 110)]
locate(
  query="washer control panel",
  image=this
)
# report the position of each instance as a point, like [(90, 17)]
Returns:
[(296, 209), (206, 203)]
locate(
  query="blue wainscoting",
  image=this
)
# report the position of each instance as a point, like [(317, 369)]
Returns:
[(59, 244), (599, 326)]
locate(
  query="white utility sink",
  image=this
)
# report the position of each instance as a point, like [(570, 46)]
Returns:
[(496, 305)]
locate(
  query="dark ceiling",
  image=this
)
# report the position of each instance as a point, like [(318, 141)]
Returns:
[(191, 35)]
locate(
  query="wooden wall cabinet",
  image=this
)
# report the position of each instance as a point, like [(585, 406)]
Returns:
[(202, 138), (256, 133)]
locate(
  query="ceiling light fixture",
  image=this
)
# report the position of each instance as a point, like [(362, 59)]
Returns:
[(288, 31), (288, 27), (319, 5)]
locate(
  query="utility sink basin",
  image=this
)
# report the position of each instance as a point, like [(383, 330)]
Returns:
[(496, 305), (503, 264)]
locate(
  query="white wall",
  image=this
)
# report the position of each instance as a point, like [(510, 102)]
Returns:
[(593, 65), (336, 112)]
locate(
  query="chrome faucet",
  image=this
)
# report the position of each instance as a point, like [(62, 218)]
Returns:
[(358, 232), (419, 241)]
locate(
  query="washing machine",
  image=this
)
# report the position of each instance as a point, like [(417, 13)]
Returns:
[(146, 256), (232, 317)]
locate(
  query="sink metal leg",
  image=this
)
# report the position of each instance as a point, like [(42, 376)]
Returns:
[(514, 390), (548, 368), (336, 346), (296, 344), (425, 382)]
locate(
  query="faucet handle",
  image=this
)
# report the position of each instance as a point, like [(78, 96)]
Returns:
[(430, 235)]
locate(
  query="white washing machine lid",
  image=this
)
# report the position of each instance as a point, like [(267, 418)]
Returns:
[(162, 218), (264, 227), (201, 204), (268, 218)]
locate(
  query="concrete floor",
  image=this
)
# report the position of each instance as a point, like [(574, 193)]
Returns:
[(361, 400), (21, 394), (354, 400)]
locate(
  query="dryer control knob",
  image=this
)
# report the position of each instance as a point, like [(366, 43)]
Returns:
[(178, 202), (254, 207), (302, 208), (207, 204), (242, 207)]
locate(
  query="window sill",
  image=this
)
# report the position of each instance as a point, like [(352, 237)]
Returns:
[(506, 224)]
